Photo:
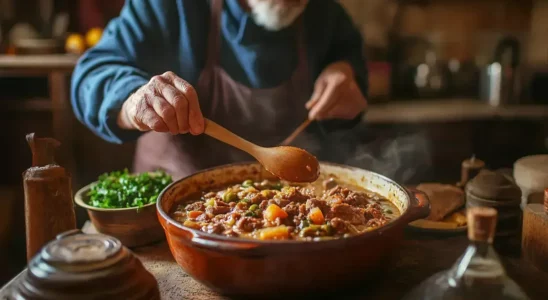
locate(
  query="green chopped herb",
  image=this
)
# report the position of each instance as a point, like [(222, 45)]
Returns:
[(120, 189)]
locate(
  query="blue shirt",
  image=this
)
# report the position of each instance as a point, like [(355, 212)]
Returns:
[(151, 37)]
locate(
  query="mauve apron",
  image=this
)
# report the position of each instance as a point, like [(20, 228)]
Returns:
[(263, 116)]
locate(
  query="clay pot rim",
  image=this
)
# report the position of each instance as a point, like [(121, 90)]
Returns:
[(81, 195)]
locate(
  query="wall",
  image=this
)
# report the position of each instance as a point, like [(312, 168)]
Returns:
[(464, 28)]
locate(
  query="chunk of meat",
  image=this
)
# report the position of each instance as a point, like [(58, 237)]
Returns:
[(302, 209), (281, 202), (321, 204), (356, 199), (203, 218), (376, 222), (248, 224), (373, 211), (347, 213), (220, 203), (264, 204), (338, 224), (292, 209), (196, 206), (340, 194), (241, 206), (255, 198), (213, 228), (294, 194), (218, 209)]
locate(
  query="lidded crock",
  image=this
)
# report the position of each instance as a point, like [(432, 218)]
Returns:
[(86, 266), (498, 190)]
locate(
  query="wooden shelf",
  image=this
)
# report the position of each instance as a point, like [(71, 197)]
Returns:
[(52, 61), (447, 110)]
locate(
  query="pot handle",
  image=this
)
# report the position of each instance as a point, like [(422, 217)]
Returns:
[(419, 206)]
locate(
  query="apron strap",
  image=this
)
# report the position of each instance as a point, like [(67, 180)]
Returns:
[(214, 37), (301, 46)]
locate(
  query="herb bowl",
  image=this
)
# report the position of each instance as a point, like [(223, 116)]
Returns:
[(133, 226)]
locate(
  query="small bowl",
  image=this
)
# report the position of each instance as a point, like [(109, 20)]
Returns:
[(133, 226)]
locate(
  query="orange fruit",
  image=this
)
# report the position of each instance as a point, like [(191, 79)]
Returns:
[(93, 36), (75, 44)]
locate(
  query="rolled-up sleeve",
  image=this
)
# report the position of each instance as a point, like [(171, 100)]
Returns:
[(124, 59)]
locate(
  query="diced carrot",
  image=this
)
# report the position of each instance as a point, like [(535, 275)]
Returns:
[(194, 214), (273, 211), (316, 216), (274, 233)]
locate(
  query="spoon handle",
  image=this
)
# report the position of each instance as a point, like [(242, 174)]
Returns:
[(226, 136)]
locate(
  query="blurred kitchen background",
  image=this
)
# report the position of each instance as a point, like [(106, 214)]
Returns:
[(448, 79)]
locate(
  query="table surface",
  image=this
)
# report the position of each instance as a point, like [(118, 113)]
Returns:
[(417, 260)]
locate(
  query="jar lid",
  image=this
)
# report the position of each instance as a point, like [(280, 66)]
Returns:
[(81, 249), (86, 266), (493, 186)]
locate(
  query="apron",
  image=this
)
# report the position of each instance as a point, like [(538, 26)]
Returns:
[(263, 116)]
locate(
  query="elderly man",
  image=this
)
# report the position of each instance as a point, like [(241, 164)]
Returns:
[(256, 67)]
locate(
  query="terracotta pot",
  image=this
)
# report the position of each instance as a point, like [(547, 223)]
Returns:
[(132, 226), (257, 268)]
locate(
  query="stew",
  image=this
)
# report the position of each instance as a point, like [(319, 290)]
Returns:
[(274, 210)]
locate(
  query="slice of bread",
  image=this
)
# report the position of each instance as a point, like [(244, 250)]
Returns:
[(444, 199)]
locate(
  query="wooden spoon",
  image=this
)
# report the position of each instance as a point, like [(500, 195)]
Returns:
[(288, 163)]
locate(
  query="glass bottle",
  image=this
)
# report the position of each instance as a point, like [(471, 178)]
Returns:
[(478, 274)]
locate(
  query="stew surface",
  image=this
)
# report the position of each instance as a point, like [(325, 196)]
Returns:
[(274, 210)]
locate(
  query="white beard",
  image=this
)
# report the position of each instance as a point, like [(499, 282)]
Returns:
[(272, 15)]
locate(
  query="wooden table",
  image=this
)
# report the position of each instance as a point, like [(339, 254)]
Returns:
[(57, 69), (417, 260)]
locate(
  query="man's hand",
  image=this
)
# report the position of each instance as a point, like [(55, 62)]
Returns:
[(336, 94), (166, 103)]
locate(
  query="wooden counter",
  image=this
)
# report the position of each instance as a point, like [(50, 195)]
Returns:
[(417, 260)]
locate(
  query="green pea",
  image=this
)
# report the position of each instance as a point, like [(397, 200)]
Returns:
[(305, 223), (328, 229), (253, 207), (250, 214), (277, 186), (230, 197), (248, 183), (311, 230)]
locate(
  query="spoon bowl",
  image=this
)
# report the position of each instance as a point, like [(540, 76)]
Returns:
[(290, 163), (287, 163)]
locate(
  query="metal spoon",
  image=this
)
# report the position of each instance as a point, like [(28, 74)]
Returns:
[(288, 163)]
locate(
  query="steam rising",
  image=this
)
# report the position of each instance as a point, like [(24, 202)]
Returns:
[(402, 157)]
